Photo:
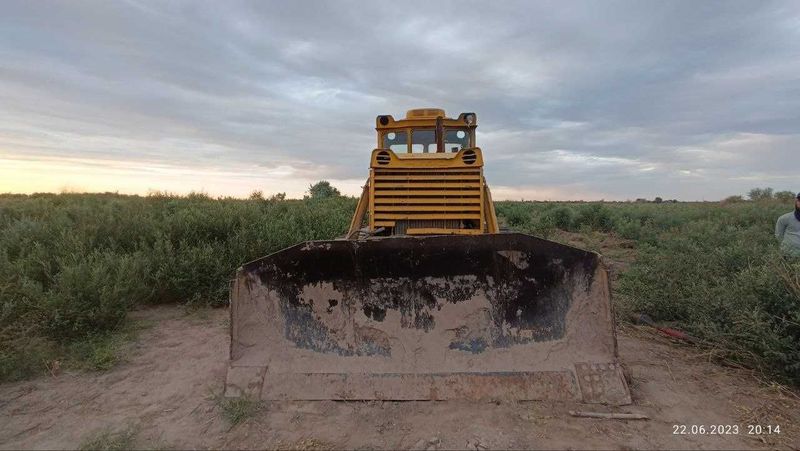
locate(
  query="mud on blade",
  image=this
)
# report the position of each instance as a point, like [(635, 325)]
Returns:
[(500, 316)]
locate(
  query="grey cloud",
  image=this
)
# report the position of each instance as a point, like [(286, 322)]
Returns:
[(678, 99)]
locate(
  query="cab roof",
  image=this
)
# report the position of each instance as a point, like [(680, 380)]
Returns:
[(425, 117)]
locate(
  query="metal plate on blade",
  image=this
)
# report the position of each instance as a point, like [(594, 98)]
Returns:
[(603, 383), (541, 385)]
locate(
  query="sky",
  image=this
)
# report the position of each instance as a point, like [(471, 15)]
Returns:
[(575, 100)]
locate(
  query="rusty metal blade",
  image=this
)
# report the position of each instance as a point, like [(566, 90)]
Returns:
[(500, 316)]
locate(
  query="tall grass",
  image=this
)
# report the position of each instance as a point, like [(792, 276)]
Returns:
[(713, 269), (73, 265)]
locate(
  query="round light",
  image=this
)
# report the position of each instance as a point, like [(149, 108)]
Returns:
[(391, 136), (469, 118), (384, 120), (461, 134)]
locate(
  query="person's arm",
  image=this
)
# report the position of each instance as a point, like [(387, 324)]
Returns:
[(780, 228)]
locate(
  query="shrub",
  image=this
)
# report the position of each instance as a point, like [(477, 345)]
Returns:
[(323, 189), (630, 229), (560, 217), (111, 440), (515, 214), (759, 194), (237, 410), (785, 196), (92, 292), (594, 216), (725, 283), (72, 265), (733, 199)]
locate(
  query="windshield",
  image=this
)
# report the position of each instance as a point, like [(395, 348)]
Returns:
[(423, 140)]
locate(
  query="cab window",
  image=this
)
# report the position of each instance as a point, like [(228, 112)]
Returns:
[(423, 140), (396, 141), (455, 140)]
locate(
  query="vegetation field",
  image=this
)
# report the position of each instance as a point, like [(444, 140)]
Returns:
[(73, 265)]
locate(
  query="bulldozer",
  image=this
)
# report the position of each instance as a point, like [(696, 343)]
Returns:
[(424, 297)]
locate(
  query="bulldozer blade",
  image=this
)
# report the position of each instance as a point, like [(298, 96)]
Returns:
[(497, 316)]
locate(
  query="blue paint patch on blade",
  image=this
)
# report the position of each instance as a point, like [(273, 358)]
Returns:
[(307, 332)]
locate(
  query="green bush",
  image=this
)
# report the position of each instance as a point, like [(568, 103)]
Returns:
[(92, 292), (722, 279), (560, 217), (323, 189), (72, 265), (515, 214), (594, 216), (785, 196), (710, 268)]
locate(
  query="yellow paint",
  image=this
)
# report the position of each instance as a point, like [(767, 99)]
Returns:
[(445, 190), (441, 231)]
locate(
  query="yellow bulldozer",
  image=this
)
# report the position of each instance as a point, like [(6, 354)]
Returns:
[(424, 298)]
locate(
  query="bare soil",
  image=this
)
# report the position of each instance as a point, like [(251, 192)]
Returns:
[(167, 393)]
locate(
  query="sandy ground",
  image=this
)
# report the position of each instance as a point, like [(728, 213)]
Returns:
[(167, 392)]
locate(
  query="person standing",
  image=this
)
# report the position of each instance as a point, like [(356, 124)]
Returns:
[(787, 230)]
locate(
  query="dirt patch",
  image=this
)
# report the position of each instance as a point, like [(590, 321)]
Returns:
[(168, 394)]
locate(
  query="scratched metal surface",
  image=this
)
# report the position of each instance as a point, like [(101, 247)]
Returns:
[(433, 310)]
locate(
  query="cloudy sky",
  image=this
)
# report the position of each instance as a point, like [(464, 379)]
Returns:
[(613, 100)]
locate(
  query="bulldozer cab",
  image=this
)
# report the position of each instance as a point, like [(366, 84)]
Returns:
[(424, 129), (426, 178)]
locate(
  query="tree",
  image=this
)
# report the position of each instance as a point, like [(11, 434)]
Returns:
[(256, 195), (760, 194), (323, 190), (658, 200), (784, 196), (733, 200)]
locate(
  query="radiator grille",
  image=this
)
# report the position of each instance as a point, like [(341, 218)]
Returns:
[(426, 198)]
